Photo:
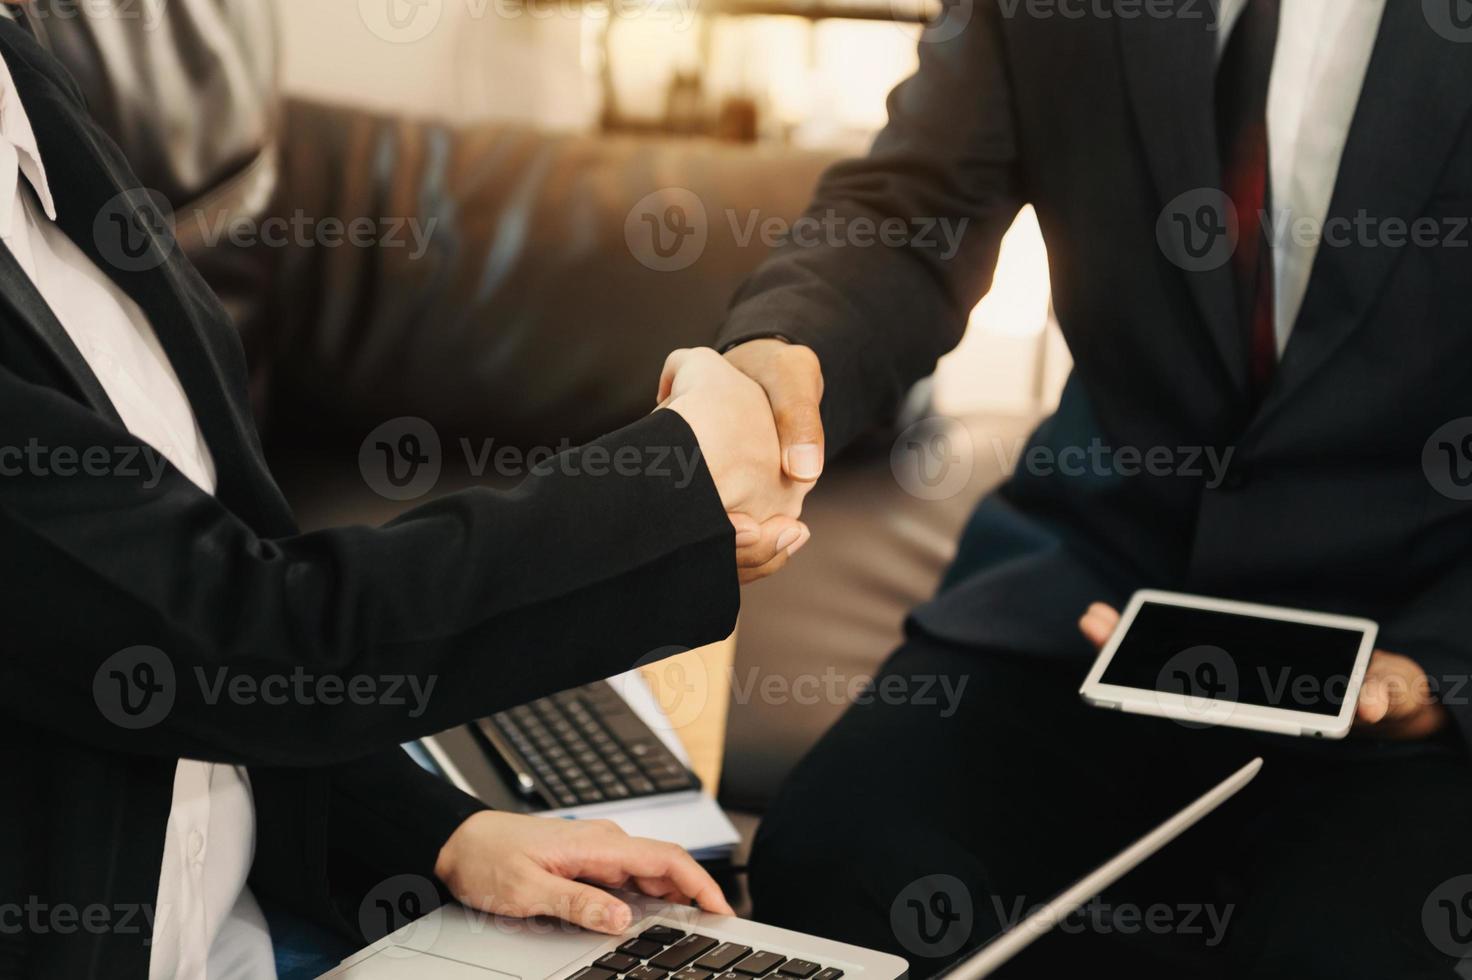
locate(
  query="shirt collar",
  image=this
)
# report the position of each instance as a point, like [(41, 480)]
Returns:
[(15, 129)]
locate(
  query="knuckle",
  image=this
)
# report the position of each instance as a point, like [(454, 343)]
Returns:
[(800, 355)]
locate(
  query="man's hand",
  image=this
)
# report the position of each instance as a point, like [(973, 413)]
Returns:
[(732, 421), (1395, 701), (517, 865), (793, 380)]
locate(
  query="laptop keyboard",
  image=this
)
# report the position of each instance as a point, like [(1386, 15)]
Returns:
[(663, 953), (582, 746)]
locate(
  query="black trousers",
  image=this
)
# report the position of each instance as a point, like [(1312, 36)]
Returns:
[(971, 786)]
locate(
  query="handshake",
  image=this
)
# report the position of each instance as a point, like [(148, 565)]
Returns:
[(755, 414)]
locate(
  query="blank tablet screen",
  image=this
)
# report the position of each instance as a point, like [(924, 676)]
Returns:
[(1230, 657)]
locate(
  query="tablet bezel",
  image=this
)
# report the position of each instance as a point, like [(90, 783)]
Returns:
[(1211, 712)]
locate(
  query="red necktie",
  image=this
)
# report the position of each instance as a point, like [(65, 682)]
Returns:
[(1242, 140)]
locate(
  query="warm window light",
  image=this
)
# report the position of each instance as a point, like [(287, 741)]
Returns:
[(1006, 361), (1017, 305)]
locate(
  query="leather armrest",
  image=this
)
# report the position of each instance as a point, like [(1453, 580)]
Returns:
[(523, 312)]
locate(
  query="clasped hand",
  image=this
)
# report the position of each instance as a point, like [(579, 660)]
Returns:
[(732, 418)]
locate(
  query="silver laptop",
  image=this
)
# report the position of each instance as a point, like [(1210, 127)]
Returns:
[(456, 943)]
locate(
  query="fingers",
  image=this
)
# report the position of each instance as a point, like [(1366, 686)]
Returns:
[(795, 396), (656, 862), (1098, 623), (672, 365), (762, 549), (793, 380), (1395, 689), (584, 905), (689, 879)]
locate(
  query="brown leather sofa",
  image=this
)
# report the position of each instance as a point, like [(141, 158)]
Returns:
[(575, 350), (530, 320)]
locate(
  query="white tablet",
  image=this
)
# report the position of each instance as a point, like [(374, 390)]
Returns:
[(1206, 662)]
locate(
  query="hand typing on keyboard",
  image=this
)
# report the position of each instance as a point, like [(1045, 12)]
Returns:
[(517, 865)]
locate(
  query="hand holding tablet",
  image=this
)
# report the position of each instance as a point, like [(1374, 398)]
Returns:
[(1204, 662)]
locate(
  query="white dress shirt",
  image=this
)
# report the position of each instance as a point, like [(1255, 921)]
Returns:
[(1323, 52), (207, 924)]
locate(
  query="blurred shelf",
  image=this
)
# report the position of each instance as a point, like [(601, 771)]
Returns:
[(896, 11)]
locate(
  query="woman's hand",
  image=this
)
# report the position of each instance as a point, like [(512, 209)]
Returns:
[(1396, 701), (517, 865)]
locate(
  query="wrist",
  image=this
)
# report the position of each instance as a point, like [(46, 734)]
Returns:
[(744, 341), (450, 858)]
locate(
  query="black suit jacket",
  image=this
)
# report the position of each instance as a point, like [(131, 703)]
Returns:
[(1101, 123), (495, 597)]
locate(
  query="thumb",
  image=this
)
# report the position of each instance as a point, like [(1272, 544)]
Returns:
[(1395, 687), (672, 365), (795, 400), (1098, 623), (586, 906)]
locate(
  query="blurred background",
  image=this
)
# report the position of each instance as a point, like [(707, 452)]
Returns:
[(589, 107), (801, 74)]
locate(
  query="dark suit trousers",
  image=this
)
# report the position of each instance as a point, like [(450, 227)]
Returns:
[(923, 822)]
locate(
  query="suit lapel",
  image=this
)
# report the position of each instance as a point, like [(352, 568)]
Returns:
[(117, 231), (1170, 71), (1414, 107), (28, 309)]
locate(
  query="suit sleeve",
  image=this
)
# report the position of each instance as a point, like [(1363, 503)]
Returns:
[(944, 170), (389, 812), (145, 617)]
